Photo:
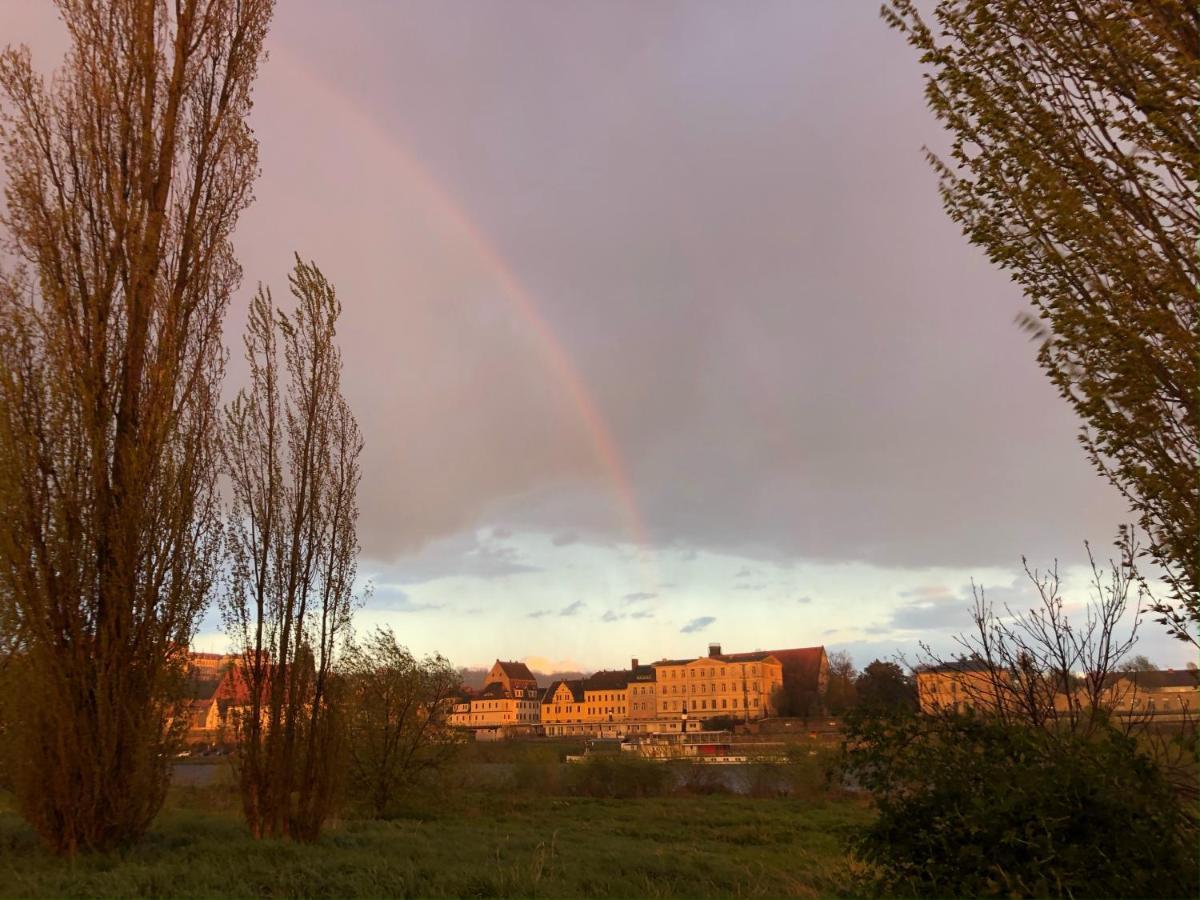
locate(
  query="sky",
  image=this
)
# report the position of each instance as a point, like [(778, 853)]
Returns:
[(655, 329)]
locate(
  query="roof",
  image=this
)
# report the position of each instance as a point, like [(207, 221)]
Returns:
[(575, 685), (616, 680), (1162, 678), (516, 671), (756, 656), (801, 665), (959, 666)]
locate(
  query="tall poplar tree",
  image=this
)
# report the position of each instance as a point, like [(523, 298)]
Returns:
[(1073, 164), (126, 174)]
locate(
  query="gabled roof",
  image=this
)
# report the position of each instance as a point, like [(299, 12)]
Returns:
[(575, 686), (516, 671), (955, 667)]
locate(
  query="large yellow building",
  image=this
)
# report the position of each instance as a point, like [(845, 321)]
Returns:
[(588, 705), (736, 685), (509, 699), (956, 686)]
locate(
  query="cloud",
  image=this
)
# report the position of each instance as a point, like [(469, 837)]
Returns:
[(642, 614), (500, 532), (750, 587), (573, 609), (697, 624), (744, 572), (638, 597), (937, 608), (390, 598), (546, 666), (462, 555), (564, 539), (805, 599), (610, 616), (538, 614)]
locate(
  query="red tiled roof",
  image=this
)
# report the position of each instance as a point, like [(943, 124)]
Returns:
[(516, 671)]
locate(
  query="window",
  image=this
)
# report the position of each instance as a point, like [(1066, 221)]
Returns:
[(724, 704)]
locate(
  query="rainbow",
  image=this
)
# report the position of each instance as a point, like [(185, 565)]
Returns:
[(554, 353)]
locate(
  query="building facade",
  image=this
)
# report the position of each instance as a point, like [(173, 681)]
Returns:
[(509, 699)]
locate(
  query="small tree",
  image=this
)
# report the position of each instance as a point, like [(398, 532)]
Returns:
[(840, 691), (292, 456), (125, 177), (398, 710)]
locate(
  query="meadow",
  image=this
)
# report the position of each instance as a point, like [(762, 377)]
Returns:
[(486, 830)]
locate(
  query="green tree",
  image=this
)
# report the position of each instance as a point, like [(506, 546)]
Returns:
[(1073, 165), (125, 177), (884, 686), (398, 707)]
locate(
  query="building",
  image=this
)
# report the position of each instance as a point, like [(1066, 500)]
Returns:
[(598, 704), (733, 685), (1165, 692), (956, 686), (509, 699)]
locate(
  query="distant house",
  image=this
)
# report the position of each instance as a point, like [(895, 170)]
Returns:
[(509, 700), (1155, 692), (957, 686)]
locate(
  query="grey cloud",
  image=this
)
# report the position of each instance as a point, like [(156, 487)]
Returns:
[(805, 599), (750, 587), (573, 609), (538, 614), (571, 173), (610, 616), (564, 539), (638, 597), (390, 598), (697, 624), (642, 614)]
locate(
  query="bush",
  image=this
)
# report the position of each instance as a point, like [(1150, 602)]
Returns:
[(619, 776), (538, 770), (974, 807)]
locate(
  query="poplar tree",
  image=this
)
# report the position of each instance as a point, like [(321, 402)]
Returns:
[(292, 447), (1073, 164), (125, 176)]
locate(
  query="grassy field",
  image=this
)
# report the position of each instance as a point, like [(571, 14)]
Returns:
[(468, 842)]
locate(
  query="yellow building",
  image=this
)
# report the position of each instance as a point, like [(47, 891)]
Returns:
[(598, 704), (509, 699), (956, 686), (737, 685)]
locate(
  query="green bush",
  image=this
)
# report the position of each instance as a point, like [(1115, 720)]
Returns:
[(618, 775), (973, 807)]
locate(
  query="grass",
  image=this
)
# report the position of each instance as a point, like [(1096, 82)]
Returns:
[(467, 843)]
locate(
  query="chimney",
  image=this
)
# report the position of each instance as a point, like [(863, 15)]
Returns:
[(633, 664), (714, 650)]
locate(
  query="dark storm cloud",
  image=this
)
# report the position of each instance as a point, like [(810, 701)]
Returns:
[(697, 624)]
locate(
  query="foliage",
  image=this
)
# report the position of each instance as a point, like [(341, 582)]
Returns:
[(1073, 164), (840, 691), (397, 711), (464, 844), (292, 454), (618, 775), (972, 805), (884, 686), (125, 176)]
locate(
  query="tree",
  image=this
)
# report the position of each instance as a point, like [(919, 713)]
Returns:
[(1033, 786), (125, 178), (291, 452), (1073, 165), (840, 691), (1137, 663), (397, 719), (884, 686)]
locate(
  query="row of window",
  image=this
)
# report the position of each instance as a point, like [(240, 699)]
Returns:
[(710, 672), (677, 705), (712, 688)]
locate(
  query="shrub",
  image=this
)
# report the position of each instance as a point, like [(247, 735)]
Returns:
[(618, 775), (970, 806)]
